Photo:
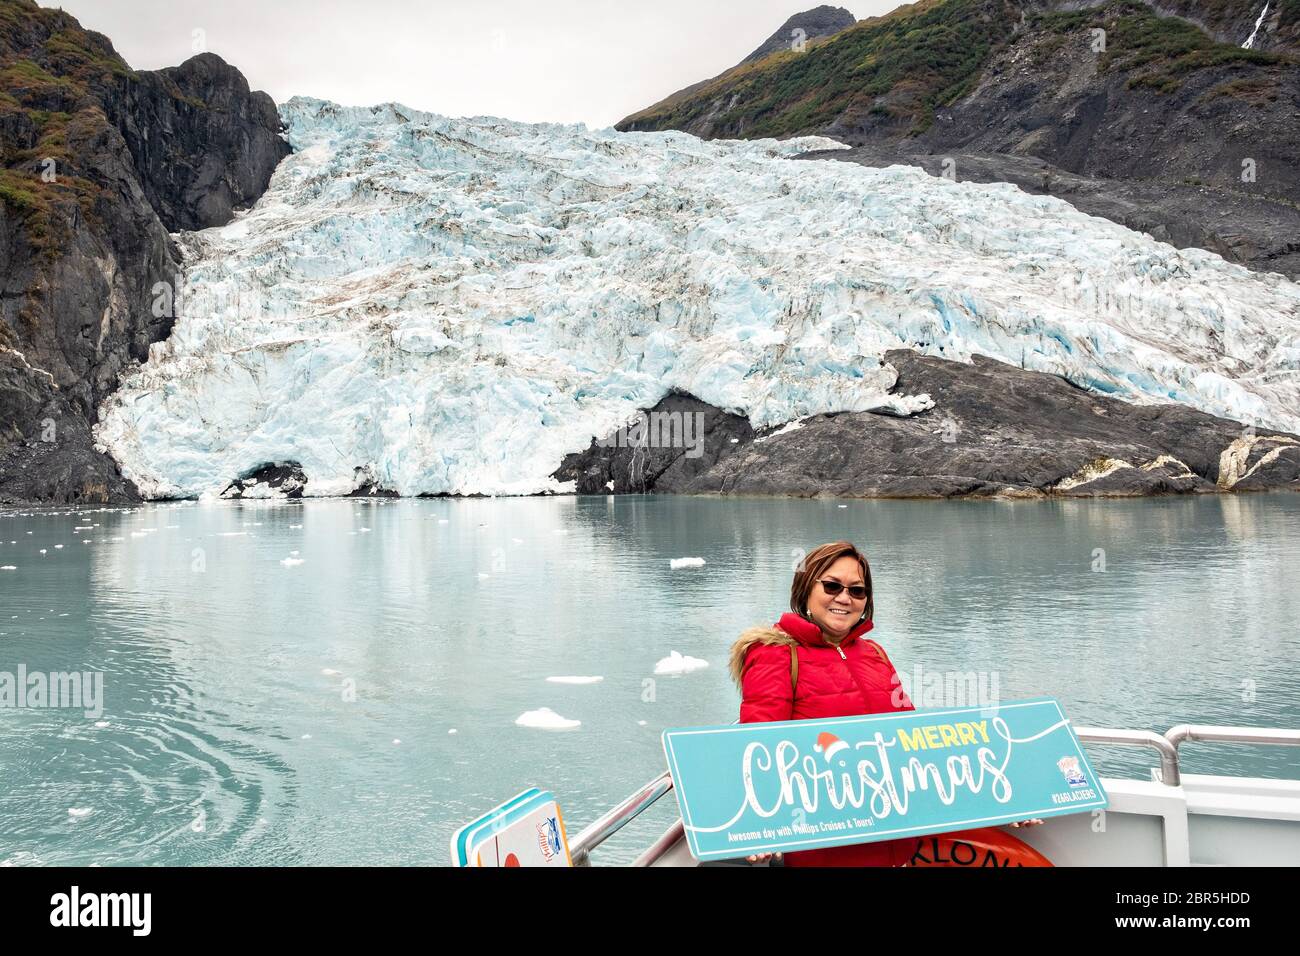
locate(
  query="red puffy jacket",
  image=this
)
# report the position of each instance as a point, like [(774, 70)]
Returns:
[(854, 678)]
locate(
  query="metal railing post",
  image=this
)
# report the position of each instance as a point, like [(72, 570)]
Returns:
[(1146, 738)]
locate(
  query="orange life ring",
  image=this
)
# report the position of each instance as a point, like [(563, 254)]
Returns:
[(987, 846)]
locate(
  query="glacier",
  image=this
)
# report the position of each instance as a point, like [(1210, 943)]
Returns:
[(450, 305)]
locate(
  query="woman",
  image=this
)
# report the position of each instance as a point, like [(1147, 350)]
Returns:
[(817, 662)]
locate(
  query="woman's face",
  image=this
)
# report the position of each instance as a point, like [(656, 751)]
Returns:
[(837, 615)]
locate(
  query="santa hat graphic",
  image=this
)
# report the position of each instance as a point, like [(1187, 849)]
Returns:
[(830, 745)]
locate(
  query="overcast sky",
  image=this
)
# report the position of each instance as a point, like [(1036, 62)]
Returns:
[(592, 61)]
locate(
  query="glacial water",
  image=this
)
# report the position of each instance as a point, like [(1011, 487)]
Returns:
[(262, 706)]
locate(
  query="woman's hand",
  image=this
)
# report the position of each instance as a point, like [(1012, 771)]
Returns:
[(762, 857), (1028, 823)]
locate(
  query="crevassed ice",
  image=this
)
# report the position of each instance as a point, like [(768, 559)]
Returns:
[(451, 305)]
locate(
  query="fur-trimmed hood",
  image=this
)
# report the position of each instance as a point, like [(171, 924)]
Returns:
[(770, 634), (792, 630)]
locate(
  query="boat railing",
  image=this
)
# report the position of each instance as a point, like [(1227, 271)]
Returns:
[(1137, 738), (1165, 745)]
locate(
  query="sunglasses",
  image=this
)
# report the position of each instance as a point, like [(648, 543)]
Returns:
[(856, 591)]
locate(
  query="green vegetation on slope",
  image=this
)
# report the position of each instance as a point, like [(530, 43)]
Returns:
[(50, 71), (1155, 51), (903, 66), (926, 54)]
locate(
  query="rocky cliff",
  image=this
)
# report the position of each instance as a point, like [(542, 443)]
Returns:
[(823, 21), (995, 429), (100, 163)]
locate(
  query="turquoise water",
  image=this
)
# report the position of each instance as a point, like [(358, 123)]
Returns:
[(256, 713)]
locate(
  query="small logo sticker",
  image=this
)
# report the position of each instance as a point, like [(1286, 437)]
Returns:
[(548, 838), (1070, 768)]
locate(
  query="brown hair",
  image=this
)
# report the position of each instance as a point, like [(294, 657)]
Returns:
[(815, 564)]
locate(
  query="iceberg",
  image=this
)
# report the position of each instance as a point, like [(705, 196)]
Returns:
[(543, 718), (676, 664)]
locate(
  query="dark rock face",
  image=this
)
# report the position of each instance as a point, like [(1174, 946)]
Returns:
[(51, 460), (820, 21), (995, 430), (284, 479), (203, 144), (99, 163), (669, 446)]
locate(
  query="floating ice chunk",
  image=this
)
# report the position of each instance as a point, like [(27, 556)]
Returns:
[(101, 724), (676, 663), (396, 741), (305, 737), (453, 731), (330, 672), (546, 719), (8, 567), (678, 563), (575, 680), (290, 562), (78, 812)]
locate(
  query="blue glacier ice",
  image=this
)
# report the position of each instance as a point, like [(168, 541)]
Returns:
[(451, 305)]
